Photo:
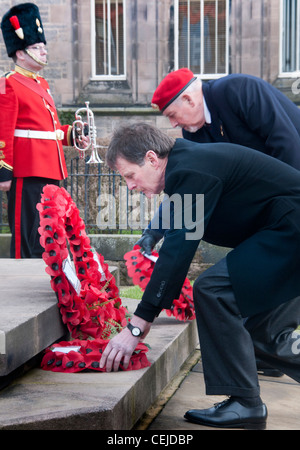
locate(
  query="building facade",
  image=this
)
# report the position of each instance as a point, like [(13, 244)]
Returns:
[(113, 53)]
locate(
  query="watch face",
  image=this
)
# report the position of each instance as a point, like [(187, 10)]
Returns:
[(136, 331)]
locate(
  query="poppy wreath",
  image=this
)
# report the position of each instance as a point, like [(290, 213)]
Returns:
[(88, 299), (140, 268)]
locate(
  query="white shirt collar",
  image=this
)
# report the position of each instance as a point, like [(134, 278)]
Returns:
[(207, 114)]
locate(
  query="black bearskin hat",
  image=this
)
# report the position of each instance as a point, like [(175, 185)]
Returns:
[(22, 26)]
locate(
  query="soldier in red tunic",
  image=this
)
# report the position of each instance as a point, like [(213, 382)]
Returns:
[(31, 137)]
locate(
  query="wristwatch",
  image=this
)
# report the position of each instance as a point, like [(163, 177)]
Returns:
[(135, 331)]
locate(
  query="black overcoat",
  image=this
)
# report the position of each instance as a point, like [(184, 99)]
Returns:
[(248, 111), (252, 205)]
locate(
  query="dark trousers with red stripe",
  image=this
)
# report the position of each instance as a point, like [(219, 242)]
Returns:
[(23, 217)]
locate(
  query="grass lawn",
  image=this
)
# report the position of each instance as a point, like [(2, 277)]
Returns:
[(131, 292)]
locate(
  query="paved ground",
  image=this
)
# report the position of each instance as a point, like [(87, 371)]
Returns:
[(281, 396)]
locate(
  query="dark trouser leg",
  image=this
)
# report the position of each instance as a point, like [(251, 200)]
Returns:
[(23, 216), (226, 346), (274, 337)]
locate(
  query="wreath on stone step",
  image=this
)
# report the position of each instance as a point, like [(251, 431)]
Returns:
[(87, 295)]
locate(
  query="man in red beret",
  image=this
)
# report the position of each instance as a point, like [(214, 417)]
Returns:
[(240, 109)]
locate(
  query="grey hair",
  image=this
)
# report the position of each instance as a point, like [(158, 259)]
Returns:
[(194, 87), (132, 142)]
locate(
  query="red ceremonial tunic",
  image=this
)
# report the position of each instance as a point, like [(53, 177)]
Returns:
[(26, 104)]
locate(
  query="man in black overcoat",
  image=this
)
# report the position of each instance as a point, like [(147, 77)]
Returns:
[(251, 204)]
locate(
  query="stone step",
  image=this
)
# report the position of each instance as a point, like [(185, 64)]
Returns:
[(44, 400), (28, 307)]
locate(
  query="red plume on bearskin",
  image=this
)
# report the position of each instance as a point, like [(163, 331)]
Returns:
[(16, 26), (15, 22)]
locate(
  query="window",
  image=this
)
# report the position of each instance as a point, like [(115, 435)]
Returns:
[(201, 36), (108, 39), (290, 48)]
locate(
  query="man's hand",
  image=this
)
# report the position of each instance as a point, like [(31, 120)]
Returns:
[(5, 185), (83, 142), (148, 240), (122, 346)]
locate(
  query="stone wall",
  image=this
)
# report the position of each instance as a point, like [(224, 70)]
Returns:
[(255, 44), (254, 49), (113, 248)]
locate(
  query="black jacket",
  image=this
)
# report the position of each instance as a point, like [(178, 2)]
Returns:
[(248, 111), (251, 204)]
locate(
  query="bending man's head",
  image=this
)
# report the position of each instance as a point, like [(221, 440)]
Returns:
[(140, 153)]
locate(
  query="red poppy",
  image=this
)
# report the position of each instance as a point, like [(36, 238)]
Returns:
[(95, 313), (140, 269)]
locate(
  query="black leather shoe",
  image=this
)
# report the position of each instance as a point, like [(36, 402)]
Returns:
[(264, 369), (230, 414)]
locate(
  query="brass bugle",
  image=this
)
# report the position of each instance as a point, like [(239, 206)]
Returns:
[(82, 128)]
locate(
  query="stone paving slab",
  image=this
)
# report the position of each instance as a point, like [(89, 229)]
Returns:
[(281, 395)]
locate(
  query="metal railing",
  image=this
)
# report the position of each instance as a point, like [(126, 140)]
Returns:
[(103, 199)]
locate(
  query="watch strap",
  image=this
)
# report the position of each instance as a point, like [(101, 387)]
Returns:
[(131, 327)]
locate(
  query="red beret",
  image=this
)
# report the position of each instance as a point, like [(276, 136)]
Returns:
[(171, 87)]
